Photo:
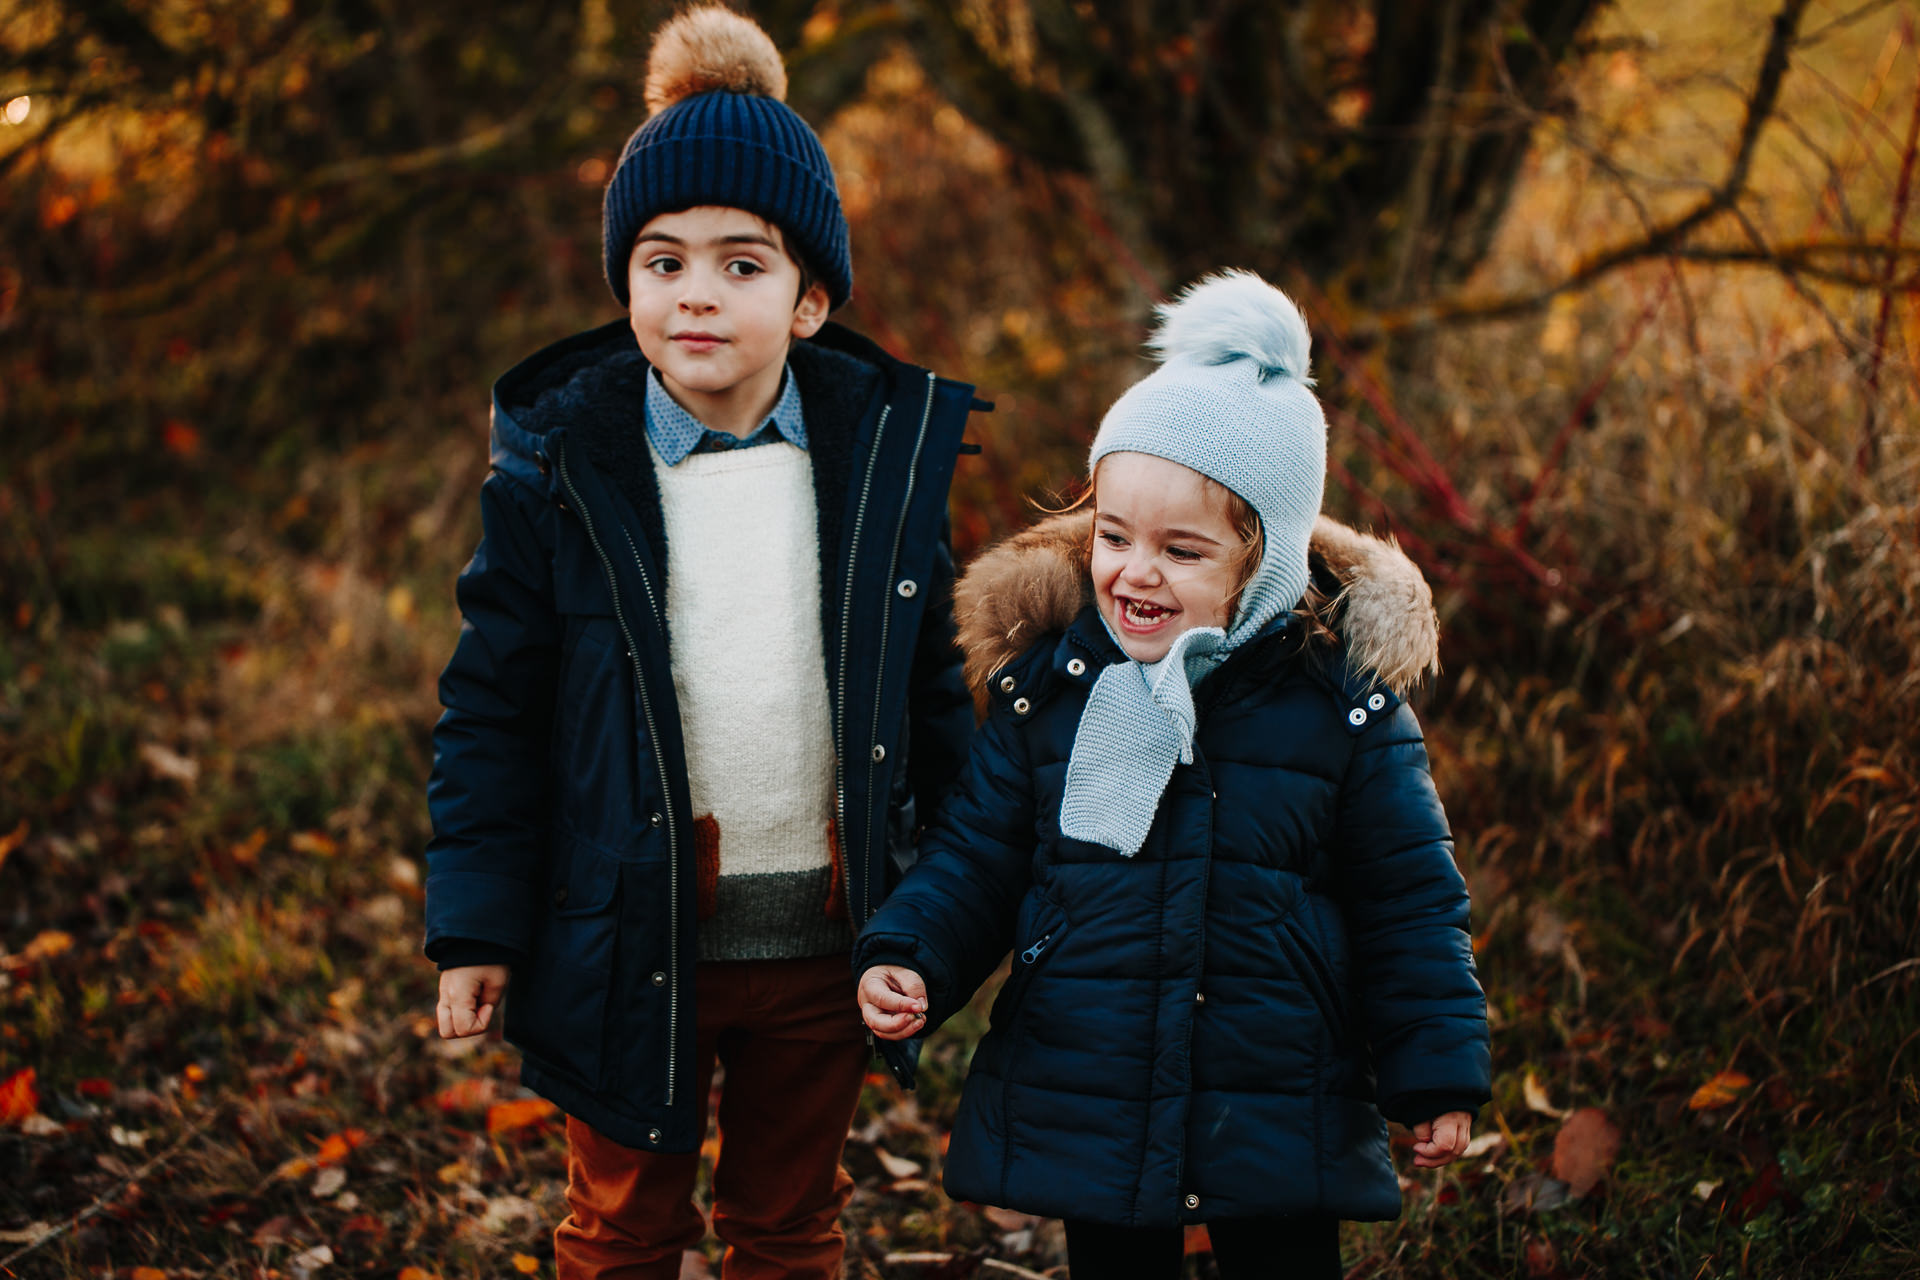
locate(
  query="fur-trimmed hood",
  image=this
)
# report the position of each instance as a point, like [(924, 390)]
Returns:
[(1037, 581)]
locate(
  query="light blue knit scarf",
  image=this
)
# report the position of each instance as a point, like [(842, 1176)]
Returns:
[(1139, 720)]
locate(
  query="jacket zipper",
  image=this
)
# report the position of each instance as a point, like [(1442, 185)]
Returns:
[(653, 737), (1032, 954), (886, 619), (846, 638)]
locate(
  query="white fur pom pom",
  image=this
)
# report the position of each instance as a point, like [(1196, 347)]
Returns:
[(1233, 315), (711, 47)]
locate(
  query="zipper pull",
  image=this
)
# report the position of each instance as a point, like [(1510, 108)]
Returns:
[(1032, 953)]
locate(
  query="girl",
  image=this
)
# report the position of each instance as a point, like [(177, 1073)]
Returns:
[(1200, 814)]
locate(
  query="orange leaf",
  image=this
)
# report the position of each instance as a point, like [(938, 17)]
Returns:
[(525, 1263), (1197, 1240), (47, 944), (505, 1117), (180, 439), (415, 1273), (318, 843), (93, 1087), (18, 1098), (467, 1095), (12, 840), (298, 1167), (146, 1273), (337, 1145), (1718, 1092), (1584, 1149)]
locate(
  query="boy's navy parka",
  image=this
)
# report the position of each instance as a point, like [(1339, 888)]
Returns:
[(1213, 1027), (562, 837)]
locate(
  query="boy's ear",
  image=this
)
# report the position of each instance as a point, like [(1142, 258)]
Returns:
[(811, 311)]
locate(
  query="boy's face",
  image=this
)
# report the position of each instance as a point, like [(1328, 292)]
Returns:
[(1165, 553), (713, 305)]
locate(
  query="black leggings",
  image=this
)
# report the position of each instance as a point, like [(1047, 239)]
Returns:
[(1306, 1247)]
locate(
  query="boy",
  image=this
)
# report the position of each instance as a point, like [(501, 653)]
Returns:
[(705, 690)]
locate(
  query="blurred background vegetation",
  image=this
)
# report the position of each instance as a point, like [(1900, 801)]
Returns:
[(1614, 317)]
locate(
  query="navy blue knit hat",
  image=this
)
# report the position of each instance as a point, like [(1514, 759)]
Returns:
[(719, 134)]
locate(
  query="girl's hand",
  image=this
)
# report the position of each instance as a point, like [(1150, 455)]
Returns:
[(467, 997), (893, 1001), (1440, 1142)]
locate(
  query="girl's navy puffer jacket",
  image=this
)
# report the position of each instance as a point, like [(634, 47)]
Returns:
[(1215, 1027)]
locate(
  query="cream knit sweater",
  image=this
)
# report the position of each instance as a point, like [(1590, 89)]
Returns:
[(743, 609)]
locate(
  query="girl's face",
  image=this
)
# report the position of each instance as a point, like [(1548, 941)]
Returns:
[(1166, 557)]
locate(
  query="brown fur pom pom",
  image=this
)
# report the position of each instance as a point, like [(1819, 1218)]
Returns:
[(710, 47)]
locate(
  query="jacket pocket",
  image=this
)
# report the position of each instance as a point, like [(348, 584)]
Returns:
[(1040, 930), (1315, 975), (557, 1012)]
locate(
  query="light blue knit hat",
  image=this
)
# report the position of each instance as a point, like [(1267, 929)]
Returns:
[(1230, 400)]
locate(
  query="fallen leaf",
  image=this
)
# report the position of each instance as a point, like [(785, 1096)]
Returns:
[(180, 438), (896, 1166), (1197, 1240), (1703, 1190), (170, 764), (1534, 1193), (1718, 1092), (39, 1126), (1546, 931), (1541, 1258), (1535, 1094), (146, 1273), (505, 1117), (247, 852), (330, 1182), (471, 1094), (505, 1211), (135, 1138), (525, 1263), (18, 1098), (457, 1172), (1490, 1143), (415, 1273), (12, 840), (1584, 1150), (1761, 1193), (305, 1264), (298, 1167), (47, 944), (338, 1145), (1008, 1219), (317, 843)]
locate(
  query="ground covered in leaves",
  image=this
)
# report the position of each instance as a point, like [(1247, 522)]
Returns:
[(216, 1057)]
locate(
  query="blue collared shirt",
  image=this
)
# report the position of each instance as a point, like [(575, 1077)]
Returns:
[(675, 433)]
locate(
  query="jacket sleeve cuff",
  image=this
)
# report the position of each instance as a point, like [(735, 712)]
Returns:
[(1417, 1108), (480, 906), (459, 953)]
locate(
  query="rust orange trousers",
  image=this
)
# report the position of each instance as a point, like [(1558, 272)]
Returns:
[(789, 1037)]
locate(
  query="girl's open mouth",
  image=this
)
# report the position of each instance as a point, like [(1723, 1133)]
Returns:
[(1143, 614)]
